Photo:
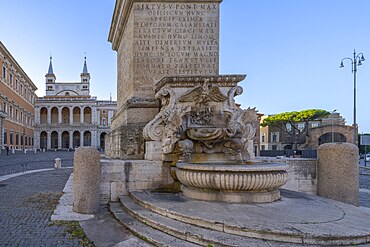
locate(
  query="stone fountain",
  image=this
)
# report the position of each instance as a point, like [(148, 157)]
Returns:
[(209, 140)]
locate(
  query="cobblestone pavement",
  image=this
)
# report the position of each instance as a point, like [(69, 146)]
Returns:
[(26, 205), (19, 161)]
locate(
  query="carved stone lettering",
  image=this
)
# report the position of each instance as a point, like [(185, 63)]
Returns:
[(174, 39)]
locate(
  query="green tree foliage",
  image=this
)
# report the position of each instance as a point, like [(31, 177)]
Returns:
[(294, 117)]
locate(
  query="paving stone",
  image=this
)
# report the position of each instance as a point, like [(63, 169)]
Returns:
[(26, 205)]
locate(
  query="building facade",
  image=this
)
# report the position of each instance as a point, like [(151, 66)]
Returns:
[(68, 117), (325, 130), (17, 97)]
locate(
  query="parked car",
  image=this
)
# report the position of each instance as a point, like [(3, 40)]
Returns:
[(367, 157)]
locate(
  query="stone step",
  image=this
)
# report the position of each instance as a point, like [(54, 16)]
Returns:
[(297, 219), (189, 232), (145, 232)]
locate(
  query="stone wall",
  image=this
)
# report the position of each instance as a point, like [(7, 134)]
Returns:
[(301, 174), (117, 177)]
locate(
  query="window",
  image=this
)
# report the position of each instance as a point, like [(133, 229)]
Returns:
[(11, 111), (67, 94), (16, 139), (16, 85), (16, 114), (263, 137), (301, 126), (274, 147), (314, 125), (262, 147), (84, 80), (104, 122), (275, 136), (21, 91), (104, 112), (50, 88), (11, 80), (22, 138), (4, 107), (11, 138), (4, 73), (50, 80), (289, 127), (5, 137)]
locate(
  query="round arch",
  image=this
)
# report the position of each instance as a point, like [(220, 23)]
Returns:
[(65, 140), (76, 115), (43, 115), (76, 139), (87, 115), (54, 140), (43, 140), (54, 115), (102, 140), (65, 115), (87, 138)]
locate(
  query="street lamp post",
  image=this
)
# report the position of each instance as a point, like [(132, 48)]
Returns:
[(332, 125), (356, 61)]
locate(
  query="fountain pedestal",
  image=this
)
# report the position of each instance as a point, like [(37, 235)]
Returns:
[(209, 141), (256, 183)]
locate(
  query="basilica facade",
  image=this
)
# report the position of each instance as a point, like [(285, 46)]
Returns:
[(68, 117)]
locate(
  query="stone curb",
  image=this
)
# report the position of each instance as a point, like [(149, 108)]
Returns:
[(6, 177), (64, 209)]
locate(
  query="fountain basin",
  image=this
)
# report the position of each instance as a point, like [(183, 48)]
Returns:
[(255, 183)]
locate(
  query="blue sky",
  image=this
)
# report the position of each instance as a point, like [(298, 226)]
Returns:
[(289, 49)]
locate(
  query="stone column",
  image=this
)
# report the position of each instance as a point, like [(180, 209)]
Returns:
[(71, 116), (97, 122), (49, 115), (36, 139), (71, 139), (338, 172), (82, 115), (82, 138), (86, 179), (93, 139), (48, 145), (93, 115), (59, 115), (59, 139), (37, 115)]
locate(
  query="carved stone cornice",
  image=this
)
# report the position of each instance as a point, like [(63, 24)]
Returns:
[(137, 102), (196, 81)]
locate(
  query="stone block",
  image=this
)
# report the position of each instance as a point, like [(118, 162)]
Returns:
[(57, 163), (120, 176), (86, 180), (153, 150), (338, 172)]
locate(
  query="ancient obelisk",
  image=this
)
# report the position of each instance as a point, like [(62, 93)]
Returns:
[(153, 40)]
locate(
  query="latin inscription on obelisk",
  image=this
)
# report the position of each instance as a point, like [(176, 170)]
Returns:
[(171, 39)]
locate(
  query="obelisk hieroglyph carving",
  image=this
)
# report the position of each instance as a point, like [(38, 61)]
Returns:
[(153, 40)]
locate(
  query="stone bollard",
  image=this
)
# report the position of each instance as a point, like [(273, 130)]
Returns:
[(43, 150), (13, 151), (25, 151), (338, 172), (58, 163), (35, 150), (86, 179)]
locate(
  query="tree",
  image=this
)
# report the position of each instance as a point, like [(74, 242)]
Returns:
[(288, 121)]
